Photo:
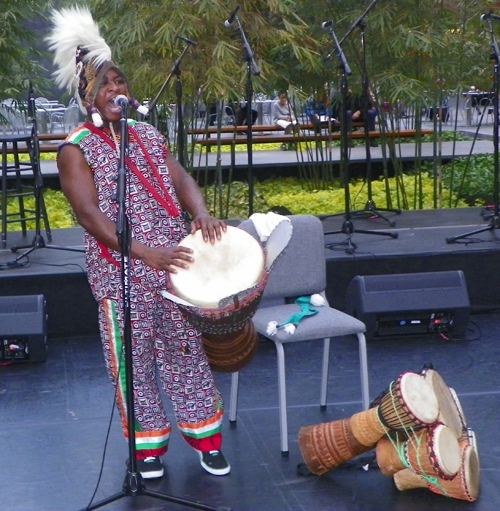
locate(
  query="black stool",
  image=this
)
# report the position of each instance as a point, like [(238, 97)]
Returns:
[(13, 186)]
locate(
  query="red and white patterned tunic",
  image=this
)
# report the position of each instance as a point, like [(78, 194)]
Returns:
[(162, 338)]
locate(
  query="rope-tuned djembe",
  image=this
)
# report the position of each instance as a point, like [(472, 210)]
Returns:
[(408, 403)]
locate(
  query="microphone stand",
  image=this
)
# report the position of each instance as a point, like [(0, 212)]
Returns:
[(495, 217), (347, 226), (38, 241), (176, 71), (133, 484), (370, 209), (252, 69)]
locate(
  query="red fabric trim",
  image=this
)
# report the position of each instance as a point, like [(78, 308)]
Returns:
[(106, 254), (210, 443), (146, 453), (170, 205)]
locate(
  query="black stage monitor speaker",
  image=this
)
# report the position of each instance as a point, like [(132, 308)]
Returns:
[(23, 328), (410, 304)]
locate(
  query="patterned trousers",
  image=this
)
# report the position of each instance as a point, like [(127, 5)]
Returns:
[(164, 345)]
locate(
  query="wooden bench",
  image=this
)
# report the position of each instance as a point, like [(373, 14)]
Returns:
[(303, 137), (46, 143), (258, 128)]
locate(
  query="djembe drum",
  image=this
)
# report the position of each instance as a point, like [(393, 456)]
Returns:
[(464, 486), (432, 452), (460, 409), (408, 404), (220, 293), (328, 445)]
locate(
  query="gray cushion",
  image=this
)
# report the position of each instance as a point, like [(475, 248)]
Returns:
[(327, 323)]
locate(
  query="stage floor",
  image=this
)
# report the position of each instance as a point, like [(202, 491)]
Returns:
[(55, 418)]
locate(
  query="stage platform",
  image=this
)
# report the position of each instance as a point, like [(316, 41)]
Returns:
[(268, 164), (59, 430), (420, 246)]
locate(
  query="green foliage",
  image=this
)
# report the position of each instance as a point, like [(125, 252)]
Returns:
[(59, 211), (471, 179), (231, 201), (143, 36), (415, 48), (20, 54), (294, 194)]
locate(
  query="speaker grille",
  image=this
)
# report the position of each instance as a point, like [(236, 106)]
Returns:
[(19, 305), (412, 281)]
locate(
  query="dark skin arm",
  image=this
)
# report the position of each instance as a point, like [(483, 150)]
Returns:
[(77, 183)]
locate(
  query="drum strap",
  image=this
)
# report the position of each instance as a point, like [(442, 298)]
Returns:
[(165, 200)]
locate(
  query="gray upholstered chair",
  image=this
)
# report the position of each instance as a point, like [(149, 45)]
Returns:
[(301, 271)]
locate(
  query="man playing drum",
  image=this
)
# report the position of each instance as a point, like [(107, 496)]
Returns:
[(158, 190)]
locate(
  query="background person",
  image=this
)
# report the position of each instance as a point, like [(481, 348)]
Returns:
[(320, 112), (284, 117)]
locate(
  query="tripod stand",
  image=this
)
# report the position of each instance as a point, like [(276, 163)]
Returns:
[(176, 71), (370, 208), (133, 485), (347, 226), (252, 69), (495, 215), (38, 241)]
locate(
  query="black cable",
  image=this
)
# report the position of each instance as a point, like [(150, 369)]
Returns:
[(101, 469)]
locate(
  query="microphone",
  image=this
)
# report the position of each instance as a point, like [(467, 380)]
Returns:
[(187, 41), (31, 101), (326, 24), (230, 20), (490, 16), (121, 101)]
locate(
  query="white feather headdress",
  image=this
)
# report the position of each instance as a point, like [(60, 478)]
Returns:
[(74, 28), (82, 57)]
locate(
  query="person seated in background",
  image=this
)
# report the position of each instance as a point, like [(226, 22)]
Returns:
[(320, 112), (284, 117), (241, 115), (355, 112)]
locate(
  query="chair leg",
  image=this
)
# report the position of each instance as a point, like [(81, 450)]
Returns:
[(282, 398), (233, 399), (363, 363), (324, 373)]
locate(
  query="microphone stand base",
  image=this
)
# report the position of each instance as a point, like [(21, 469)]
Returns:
[(494, 224), (371, 210), (133, 486), (349, 229)]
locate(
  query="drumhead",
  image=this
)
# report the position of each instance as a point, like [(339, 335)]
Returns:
[(449, 413), (471, 472), (454, 395), (419, 397), (446, 450), (232, 264)]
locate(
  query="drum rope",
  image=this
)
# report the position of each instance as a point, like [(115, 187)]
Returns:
[(396, 409), (414, 439), (435, 482)]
